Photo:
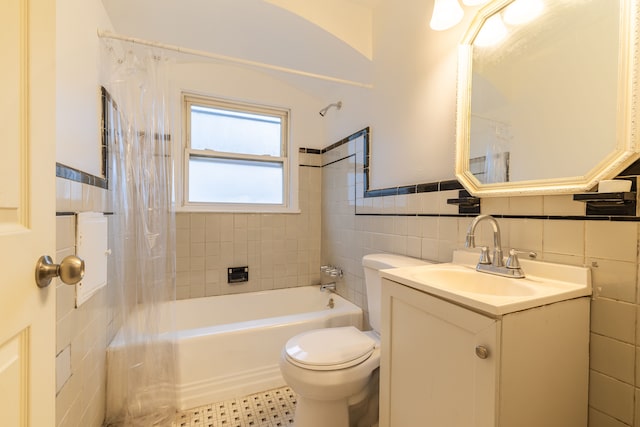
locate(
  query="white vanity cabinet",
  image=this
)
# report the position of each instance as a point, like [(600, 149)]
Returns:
[(444, 365)]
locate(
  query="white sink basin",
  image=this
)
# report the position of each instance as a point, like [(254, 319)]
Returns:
[(459, 282), (466, 279)]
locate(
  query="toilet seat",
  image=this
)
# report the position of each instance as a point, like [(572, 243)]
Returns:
[(330, 348)]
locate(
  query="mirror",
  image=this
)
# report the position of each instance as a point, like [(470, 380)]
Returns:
[(546, 100)]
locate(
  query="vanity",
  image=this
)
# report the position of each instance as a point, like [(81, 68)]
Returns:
[(467, 348)]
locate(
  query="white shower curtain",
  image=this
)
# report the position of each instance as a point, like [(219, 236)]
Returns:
[(141, 387)]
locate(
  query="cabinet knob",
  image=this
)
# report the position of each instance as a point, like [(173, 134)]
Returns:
[(482, 352)]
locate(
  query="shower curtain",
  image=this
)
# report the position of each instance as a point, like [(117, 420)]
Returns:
[(141, 385)]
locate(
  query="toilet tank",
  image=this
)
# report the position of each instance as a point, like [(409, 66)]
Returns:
[(373, 263)]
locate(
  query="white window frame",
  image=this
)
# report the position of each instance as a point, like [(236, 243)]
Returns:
[(289, 190)]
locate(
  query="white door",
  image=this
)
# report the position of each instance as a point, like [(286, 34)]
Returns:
[(27, 211)]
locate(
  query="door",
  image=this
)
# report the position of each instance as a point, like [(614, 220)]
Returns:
[(27, 211), (430, 371)]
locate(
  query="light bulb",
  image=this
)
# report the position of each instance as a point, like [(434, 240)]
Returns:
[(492, 31), (474, 2), (446, 14), (521, 11)]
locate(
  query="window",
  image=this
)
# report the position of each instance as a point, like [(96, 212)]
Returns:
[(236, 155)]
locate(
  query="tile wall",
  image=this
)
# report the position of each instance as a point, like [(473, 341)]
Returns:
[(82, 334), (284, 251), (422, 225), (281, 250)]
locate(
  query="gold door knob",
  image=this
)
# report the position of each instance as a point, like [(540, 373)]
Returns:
[(70, 270)]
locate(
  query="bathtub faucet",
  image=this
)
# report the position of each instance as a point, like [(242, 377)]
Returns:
[(331, 271), (331, 287)]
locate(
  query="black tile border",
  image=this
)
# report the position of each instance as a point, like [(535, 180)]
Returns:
[(426, 187), (72, 174), (65, 213), (310, 150), (500, 216), (447, 185), (382, 192), (107, 101)]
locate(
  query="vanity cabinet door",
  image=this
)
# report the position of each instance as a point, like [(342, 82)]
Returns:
[(439, 362)]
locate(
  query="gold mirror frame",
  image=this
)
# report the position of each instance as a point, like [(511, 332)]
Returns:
[(626, 152)]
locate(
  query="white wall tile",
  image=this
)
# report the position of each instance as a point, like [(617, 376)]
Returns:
[(526, 234), (563, 258), (612, 358), (614, 279), (494, 205), (414, 247), (429, 227), (81, 334), (612, 397), (563, 205), (614, 319), (563, 237), (65, 232), (443, 206), (63, 195), (526, 205), (600, 419), (612, 240), (429, 202), (63, 367)]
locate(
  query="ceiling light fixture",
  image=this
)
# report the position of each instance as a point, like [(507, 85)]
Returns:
[(492, 32), (447, 13), (473, 2)]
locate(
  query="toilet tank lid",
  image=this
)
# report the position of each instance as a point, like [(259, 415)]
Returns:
[(381, 261)]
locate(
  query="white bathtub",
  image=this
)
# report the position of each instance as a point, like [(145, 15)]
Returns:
[(229, 346)]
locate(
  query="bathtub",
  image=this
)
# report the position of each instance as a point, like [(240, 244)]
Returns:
[(228, 346)]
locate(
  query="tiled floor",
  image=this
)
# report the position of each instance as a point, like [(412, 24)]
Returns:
[(272, 408)]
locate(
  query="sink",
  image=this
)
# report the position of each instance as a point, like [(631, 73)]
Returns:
[(459, 282), (466, 279)]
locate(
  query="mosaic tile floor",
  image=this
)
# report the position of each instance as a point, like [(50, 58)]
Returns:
[(272, 408)]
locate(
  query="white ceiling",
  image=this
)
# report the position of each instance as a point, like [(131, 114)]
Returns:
[(254, 30)]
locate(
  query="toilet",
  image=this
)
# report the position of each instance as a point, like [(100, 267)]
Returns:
[(334, 370)]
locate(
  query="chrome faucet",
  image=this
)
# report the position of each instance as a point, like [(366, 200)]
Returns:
[(497, 265), (331, 271), (331, 287), (497, 246)]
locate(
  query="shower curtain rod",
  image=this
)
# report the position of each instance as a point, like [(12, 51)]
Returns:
[(224, 58)]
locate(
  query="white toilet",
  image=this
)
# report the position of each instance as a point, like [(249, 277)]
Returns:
[(335, 369)]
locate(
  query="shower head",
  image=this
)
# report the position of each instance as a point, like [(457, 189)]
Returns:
[(338, 106)]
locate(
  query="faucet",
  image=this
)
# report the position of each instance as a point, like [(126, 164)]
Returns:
[(497, 266), (331, 287), (497, 246), (332, 271)]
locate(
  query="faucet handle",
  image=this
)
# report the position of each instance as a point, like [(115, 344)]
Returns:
[(530, 254), (513, 261), (484, 256)]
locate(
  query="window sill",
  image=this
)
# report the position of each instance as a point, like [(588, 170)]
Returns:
[(237, 209)]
